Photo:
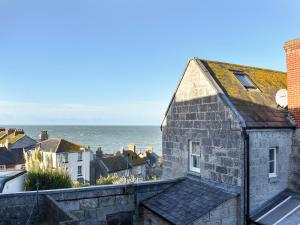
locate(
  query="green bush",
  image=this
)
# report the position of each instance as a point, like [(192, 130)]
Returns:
[(47, 180)]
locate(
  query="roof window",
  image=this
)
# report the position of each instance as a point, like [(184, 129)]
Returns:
[(244, 79)]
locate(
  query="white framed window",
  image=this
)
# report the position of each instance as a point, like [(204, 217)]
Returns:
[(64, 157), (195, 155), (79, 156), (79, 171), (272, 162)]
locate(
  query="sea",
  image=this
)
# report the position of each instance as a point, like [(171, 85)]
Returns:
[(109, 138)]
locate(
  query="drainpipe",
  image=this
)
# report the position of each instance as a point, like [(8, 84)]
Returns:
[(246, 177)]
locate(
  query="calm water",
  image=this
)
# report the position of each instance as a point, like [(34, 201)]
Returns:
[(110, 138)]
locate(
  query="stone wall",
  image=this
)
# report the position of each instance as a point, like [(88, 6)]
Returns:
[(263, 188), (78, 206), (151, 218), (294, 176), (225, 214), (197, 113)]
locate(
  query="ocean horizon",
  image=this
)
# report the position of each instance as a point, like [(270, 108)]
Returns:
[(110, 138)]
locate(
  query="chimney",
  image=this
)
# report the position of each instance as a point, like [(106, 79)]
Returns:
[(43, 135), (292, 49), (7, 144)]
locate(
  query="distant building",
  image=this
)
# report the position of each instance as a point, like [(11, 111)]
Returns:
[(74, 157), (114, 165), (12, 181), (11, 159), (15, 138)]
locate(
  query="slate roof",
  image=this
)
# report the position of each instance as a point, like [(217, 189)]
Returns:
[(12, 156), (115, 163), (58, 145), (133, 158), (283, 209), (187, 201), (257, 107)]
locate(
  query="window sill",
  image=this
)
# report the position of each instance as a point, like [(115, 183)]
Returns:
[(273, 179), (194, 173), (79, 160)]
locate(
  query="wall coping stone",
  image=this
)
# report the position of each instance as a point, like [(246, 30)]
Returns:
[(93, 188)]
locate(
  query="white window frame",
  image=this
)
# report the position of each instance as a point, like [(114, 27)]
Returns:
[(80, 155), (79, 174), (273, 174), (192, 168), (65, 157)]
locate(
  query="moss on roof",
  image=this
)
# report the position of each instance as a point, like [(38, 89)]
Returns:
[(12, 138), (59, 145), (257, 107)]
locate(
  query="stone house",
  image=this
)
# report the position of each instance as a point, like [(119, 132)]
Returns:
[(114, 165), (225, 132), (74, 157)]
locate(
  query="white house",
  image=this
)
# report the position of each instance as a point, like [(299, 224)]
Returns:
[(74, 157)]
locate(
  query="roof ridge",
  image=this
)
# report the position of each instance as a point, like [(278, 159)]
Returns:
[(234, 64)]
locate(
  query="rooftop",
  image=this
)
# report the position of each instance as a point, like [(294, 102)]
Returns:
[(257, 105), (58, 145)]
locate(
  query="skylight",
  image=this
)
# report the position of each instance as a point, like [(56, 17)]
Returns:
[(244, 79)]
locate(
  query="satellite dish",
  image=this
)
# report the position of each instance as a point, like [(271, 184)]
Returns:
[(282, 98)]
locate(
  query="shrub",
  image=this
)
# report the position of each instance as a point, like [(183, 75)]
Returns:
[(48, 177), (115, 179)]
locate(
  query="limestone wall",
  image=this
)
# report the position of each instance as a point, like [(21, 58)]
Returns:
[(225, 214), (263, 188), (294, 175), (89, 205), (198, 113)]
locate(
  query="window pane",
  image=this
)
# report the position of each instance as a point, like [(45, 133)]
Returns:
[(196, 148), (271, 154), (196, 161), (244, 79), (271, 167)]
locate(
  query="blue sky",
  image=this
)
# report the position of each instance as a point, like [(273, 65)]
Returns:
[(118, 62)]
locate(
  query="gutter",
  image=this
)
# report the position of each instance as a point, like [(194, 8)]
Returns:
[(246, 177)]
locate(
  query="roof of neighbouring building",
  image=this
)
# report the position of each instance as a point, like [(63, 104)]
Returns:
[(58, 145), (187, 201), (283, 209), (12, 156), (8, 175), (257, 106), (115, 163), (15, 137), (152, 157), (133, 158)]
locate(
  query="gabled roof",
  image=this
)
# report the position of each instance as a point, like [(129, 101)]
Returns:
[(115, 163), (59, 145), (258, 107), (12, 156), (187, 201)]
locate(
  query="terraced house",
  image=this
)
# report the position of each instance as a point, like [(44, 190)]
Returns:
[(225, 131)]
